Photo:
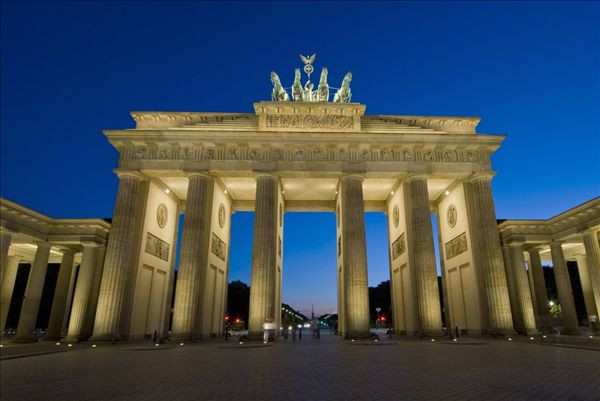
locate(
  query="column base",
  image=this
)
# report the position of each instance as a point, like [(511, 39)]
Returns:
[(571, 332), (500, 332), (23, 340), (358, 335), (184, 338), (259, 336), (430, 333), (105, 338), (76, 339), (51, 338)]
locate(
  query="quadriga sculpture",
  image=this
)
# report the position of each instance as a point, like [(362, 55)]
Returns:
[(297, 91), (323, 89), (344, 95), (279, 94)]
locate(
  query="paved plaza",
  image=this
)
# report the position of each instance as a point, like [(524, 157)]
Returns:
[(329, 369)]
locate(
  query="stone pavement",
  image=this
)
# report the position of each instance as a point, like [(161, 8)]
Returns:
[(307, 370)]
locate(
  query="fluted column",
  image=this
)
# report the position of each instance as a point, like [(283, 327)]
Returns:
[(88, 326), (541, 294), (354, 250), (119, 259), (264, 255), (33, 294), (485, 230), (8, 285), (5, 238), (422, 256), (193, 257), (592, 252), (586, 285), (565, 291), (61, 293), (513, 293), (524, 302), (83, 294)]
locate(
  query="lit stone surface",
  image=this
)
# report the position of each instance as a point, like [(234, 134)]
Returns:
[(192, 264), (118, 261), (83, 293), (524, 303), (592, 250), (8, 284), (5, 238), (61, 294), (264, 256), (422, 254), (483, 213), (541, 294), (354, 249), (565, 292), (33, 294)]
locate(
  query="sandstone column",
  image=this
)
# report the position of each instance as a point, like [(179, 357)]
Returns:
[(586, 285), (264, 255), (83, 294), (8, 285), (193, 257), (422, 256), (592, 251), (524, 302), (88, 326), (354, 250), (33, 294), (541, 294), (485, 230), (513, 293), (565, 292), (118, 263), (61, 293), (5, 238)]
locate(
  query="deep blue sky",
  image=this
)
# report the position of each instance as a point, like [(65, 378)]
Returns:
[(69, 70)]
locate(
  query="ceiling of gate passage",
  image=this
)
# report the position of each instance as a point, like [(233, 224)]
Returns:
[(306, 194)]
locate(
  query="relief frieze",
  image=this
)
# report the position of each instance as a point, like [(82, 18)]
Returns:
[(218, 247), (309, 121), (398, 247), (304, 153), (456, 246), (157, 247)]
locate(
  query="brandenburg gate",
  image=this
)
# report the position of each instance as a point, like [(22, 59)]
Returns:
[(304, 153)]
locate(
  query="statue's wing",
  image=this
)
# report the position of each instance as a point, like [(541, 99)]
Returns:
[(304, 60), (312, 58)]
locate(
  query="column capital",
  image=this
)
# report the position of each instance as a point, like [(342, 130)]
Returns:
[(590, 231), (67, 251), (129, 174), (15, 257), (265, 174), (43, 244), (515, 244), (201, 173), (483, 176), (415, 177), (355, 176)]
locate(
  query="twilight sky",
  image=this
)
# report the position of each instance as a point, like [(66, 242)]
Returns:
[(70, 69)]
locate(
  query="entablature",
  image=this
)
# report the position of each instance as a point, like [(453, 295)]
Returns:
[(567, 226), (34, 226)]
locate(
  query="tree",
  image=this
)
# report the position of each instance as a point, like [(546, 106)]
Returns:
[(380, 297), (238, 300)]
